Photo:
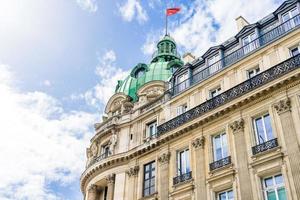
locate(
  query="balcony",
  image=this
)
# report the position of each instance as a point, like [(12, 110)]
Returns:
[(264, 39), (182, 178), (220, 163), (271, 144), (241, 89), (99, 158)]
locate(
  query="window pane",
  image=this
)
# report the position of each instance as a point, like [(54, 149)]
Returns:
[(146, 192), (281, 194), (278, 179), (152, 190), (152, 182), (187, 161), (230, 195), (147, 184), (294, 12), (222, 196), (268, 127), (224, 146), (260, 131), (146, 175), (271, 195), (268, 182), (285, 17)]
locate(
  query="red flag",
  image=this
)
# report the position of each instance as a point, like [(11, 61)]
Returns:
[(172, 11)]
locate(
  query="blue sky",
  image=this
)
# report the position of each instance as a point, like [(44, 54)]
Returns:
[(59, 63)]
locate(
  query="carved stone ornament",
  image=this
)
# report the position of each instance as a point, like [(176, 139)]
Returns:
[(94, 149), (198, 142), (283, 106), (110, 179), (237, 125), (113, 142), (164, 158), (92, 188), (133, 171)]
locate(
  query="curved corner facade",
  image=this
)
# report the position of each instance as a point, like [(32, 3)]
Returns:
[(221, 127)]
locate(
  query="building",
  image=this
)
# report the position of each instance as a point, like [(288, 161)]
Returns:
[(220, 127)]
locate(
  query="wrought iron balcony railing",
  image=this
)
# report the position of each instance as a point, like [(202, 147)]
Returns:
[(220, 163), (182, 178), (99, 158), (238, 54), (265, 146), (231, 94)]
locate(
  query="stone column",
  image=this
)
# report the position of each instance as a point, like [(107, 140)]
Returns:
[(110, 179), (244, 179), (200, 180), (283, 109), (132, 174), (163, 187), (93, 192)]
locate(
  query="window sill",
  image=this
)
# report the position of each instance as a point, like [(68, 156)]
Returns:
[(150, 197)]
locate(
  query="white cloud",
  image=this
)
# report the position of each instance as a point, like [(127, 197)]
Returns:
[(108, 74), (47, 83), (207, 23), (89, 5), (40, 142), (131, 9)]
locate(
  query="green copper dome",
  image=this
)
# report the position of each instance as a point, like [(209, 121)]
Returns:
[(163, 63)]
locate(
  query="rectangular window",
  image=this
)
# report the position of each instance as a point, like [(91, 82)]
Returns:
[(253, 72), (248, 43), (220, 147), (273, 188), (105, 150), (151, 129), (289, 18), (181, 109), (263, 129), (226, 195), (149, 179), (213, 63), (215, 92), (294, 51), (183, 162), (182, 82)]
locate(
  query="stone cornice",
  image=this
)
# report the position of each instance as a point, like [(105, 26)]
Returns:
[(118, 159), (199, 142), (164, 158), (237, 126), (133, 171), (283, 106)]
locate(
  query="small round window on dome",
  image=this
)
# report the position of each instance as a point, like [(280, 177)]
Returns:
[(139, 73)]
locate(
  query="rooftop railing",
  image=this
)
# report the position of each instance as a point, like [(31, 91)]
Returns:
[(238, 54)]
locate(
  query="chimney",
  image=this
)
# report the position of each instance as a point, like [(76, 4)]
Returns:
[(188, 58), (241, 22)]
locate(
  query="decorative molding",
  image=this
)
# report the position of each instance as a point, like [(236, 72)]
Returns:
[(237, 126), (199, 142), (110, 179), (164, 158), (133, 171), (283, 106)]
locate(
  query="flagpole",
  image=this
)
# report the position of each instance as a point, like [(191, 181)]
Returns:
[(166, 23)]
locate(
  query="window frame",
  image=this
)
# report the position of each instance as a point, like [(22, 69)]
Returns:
[(148, 128), (255, 70), (152, 168), (181, 109), (250, 46), (217, 90), (221, 135), (289, 12), (225, 191), (275, 187), (293, 48), (262, 116), (187, 164)]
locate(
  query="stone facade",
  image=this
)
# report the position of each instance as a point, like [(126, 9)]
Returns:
[(205, 147)]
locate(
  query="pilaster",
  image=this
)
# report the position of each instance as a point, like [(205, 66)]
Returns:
[(110, 179), (163, 187), (93, 192), (200, 179), (244, 179), (132, 173), (283, 108)]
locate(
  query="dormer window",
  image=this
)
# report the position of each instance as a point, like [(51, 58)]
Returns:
[(140, 73), (248, 44), (289, 15), (213, 63)]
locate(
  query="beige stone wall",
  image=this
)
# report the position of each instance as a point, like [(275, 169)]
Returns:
[(245, 172)]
